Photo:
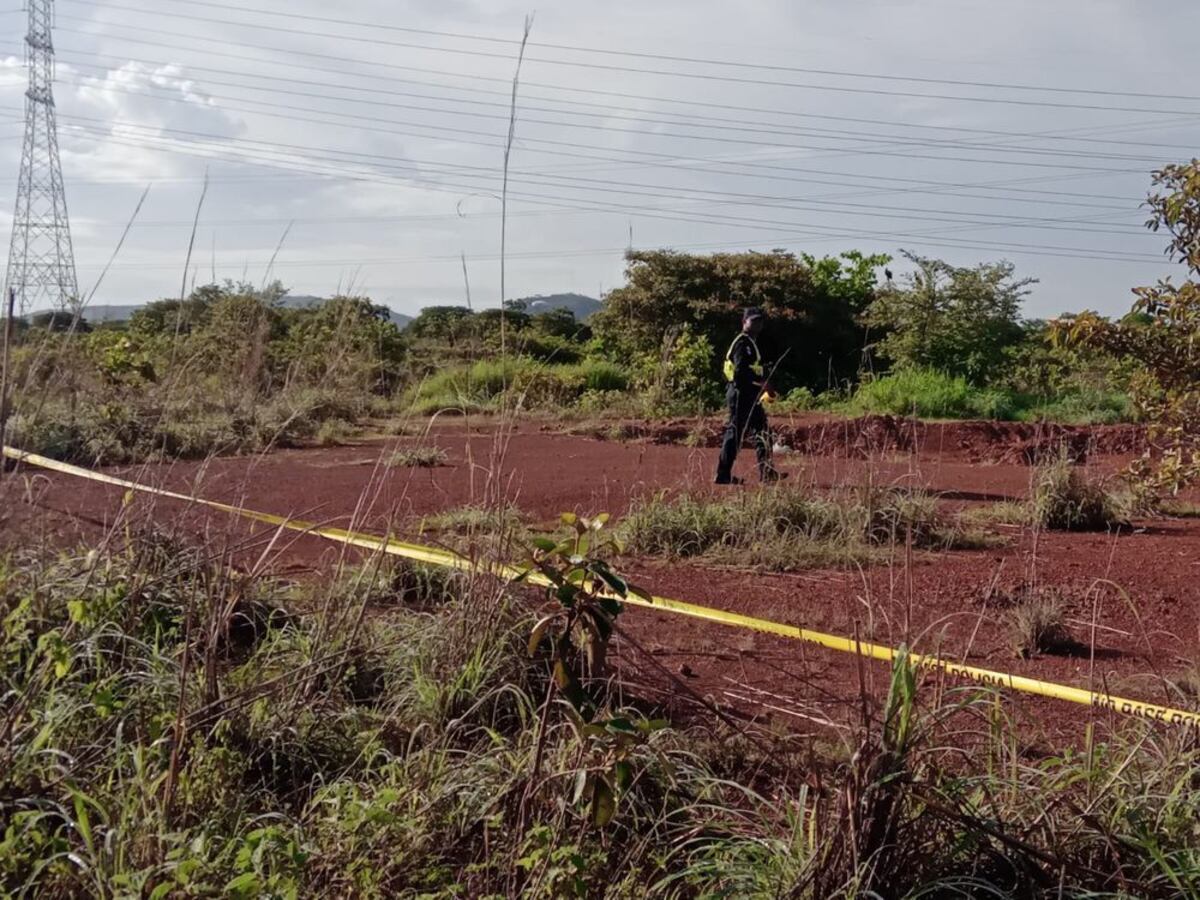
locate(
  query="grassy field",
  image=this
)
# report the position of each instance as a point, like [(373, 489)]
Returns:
[(173, 726)]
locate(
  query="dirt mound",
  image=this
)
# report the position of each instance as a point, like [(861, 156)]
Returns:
[(994, 442)]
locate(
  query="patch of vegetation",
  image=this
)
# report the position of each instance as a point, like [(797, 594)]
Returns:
[(163, 741), (228, 370), (1066, 498), (1159, 336), (1036, 624), (928, 393), (1179, 509), (490, 385), (332, 432), (391, 582), (933, 394), (788, 528), (473, 519), (424, 457)]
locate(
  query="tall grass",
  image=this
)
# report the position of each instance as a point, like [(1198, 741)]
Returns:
[(927, 393), (930, 394), (172, 727), (789, 528), (482, 385), (1066, 498)]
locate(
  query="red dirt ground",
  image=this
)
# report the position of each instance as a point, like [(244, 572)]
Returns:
[(1135, 596)]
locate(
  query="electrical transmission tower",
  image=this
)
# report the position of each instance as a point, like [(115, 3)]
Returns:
[(41, 260)]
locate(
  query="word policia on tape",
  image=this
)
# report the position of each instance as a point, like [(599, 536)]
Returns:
[(437, 557)]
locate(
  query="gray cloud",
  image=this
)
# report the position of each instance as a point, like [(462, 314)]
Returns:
[(387, 156)]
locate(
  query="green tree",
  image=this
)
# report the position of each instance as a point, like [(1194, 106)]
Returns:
[(60, 320), (176, 317), (560, 323), (956, 320), (237, 340), (345, 338), (447, 324), (814, 305), (1163, 335)]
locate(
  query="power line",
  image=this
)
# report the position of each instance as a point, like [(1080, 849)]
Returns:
[(576, 48), (456, 258), (724, 124), (632, 188), (448, 129), (375, 41), (762, 224), (1190, 118), (766, 167), (644, 154)]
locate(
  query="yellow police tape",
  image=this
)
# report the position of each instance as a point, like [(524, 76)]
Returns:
[(434, 556)]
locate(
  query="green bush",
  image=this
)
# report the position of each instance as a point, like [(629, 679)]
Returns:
[(787, 528), (484, 384), (417, 751), (927, 393), (1081, 408), (1065, 498)]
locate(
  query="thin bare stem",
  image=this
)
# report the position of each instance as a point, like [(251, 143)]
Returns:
[(508, 145)]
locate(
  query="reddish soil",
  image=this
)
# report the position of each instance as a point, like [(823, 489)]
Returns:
[(1134, 596)]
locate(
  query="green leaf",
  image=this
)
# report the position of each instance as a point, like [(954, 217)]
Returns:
[(604, 802), (623, 772), (615, 582), (544, 544), (243, 885), (83, 822), (569, 518), (611, 606)]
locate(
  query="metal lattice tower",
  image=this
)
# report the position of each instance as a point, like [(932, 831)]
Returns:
[(41, 260)]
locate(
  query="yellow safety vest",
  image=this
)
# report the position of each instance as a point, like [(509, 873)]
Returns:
[(756, 367)]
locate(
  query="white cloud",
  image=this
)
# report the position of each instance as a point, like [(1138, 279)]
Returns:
[(219, 81)]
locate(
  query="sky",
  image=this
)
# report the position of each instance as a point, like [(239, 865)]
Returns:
[(358, 147)]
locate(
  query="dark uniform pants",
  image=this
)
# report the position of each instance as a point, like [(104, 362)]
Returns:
[(746, 417)]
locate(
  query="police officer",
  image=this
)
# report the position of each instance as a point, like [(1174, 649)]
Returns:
[(747, 384)]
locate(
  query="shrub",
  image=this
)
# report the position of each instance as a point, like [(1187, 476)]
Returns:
[(1082, 408), (928, 393), (332, 432), (1065, 498), (484, 384), (787, 528), (418, 457), (1036, 624)]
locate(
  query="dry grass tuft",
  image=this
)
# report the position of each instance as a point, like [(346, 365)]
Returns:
[(418, 458)]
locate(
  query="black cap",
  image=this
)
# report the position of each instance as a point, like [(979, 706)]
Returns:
[(753, 312)]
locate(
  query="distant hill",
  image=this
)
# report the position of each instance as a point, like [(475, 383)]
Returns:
[(582, 306), (308, 301), (97, 314)]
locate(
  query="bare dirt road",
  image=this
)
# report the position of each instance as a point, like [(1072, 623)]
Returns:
[(1133, 599)]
